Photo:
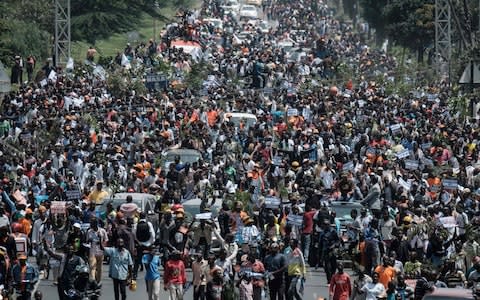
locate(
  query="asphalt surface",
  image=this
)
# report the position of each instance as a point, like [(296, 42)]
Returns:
[(315, 287)]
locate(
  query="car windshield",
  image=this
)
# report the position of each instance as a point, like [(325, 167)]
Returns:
[(184, 158), (248, 8), (117, 202), (343, 211)]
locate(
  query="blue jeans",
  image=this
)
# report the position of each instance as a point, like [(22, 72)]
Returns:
[(306, 242), (293, 292)]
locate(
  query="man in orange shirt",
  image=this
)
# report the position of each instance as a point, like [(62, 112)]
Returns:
[(386, 272), (212, 116)]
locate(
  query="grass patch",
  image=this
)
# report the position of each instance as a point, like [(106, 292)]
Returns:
[(147, 29)]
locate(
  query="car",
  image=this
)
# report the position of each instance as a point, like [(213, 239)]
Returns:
[(254, 2), (236, 118), (192, 209), (449, 294), (232, 5), (264, 26), (216, 23), (248, 12), (342, 211), (186, 156), (145, 202)]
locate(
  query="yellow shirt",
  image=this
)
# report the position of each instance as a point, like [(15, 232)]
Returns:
[(97, 196)]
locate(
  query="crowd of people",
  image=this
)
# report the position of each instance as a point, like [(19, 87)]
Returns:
[(412, 167)]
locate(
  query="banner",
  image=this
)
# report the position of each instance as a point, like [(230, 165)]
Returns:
[(411, 164), (73, 195), (450, 184)]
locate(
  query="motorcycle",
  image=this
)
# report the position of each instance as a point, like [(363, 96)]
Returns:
[(83, 288)]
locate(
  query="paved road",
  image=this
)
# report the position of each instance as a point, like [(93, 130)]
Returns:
[(315, 288)]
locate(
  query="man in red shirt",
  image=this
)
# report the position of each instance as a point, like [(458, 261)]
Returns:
[(175, 277), (340, 287), (307, 230)]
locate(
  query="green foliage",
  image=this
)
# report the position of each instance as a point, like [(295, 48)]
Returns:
[(122, 81), (459, 105), (22, 38), (197, 75), (411, 23), (372, 12)]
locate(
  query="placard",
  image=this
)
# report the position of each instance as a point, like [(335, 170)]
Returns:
[(58, 207), (427, 162), (204, 216), (267, 91), (411, 164), (403, 154), (277, 160), (448, 222), (292, 112), (348, 166), (272, 202), (404, 184), (19, 198), (435, 188), (295, 220), (450, 184), (73, 195), (395, 128), (426, 146)]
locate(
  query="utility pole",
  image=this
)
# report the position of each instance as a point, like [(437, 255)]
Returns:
[(443, 37), (62, 42)]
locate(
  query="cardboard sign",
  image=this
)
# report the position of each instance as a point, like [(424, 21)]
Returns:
[(73, 195), (450, 184), (403, 154), (295, 220), (58, 207), (411, 164), (435, 188), (204, 216), (427, 162), (272, 202), (19, 198), (292, 112)]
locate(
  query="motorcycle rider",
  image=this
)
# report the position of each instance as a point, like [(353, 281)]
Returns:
[(24, 277)]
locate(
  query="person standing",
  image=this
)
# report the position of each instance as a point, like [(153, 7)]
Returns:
[(373, 289), (152, 263), (24, 277), (200, 274), (296, 270), (97, 237), (17, 71), (340, 285), (328, 242), (307, 230), (145, 237), (276, 264), (385, 272), (174, 277), (121, 264)]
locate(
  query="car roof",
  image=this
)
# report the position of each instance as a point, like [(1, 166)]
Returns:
[(346, 203), (183, 151), (135, 196), (198, 201), (458, 293), (240, 115)]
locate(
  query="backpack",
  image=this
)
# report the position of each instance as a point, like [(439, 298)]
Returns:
[(143, 231)]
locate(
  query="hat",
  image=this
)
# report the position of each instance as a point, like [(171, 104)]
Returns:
[(77, 225), (295, 165), (248, 220), (22, 255), (466, 191), (274, 246)]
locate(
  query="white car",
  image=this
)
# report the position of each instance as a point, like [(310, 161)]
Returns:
[(216, 23), (248, 12), (231, 5), (254, 2)]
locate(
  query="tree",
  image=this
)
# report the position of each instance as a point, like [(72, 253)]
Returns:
[(97, 19), (372, 12), (411, 24)]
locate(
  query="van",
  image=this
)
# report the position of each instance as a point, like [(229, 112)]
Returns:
[(249, 120)]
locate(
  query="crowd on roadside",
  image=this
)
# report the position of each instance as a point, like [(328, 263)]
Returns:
[(407, 160)]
